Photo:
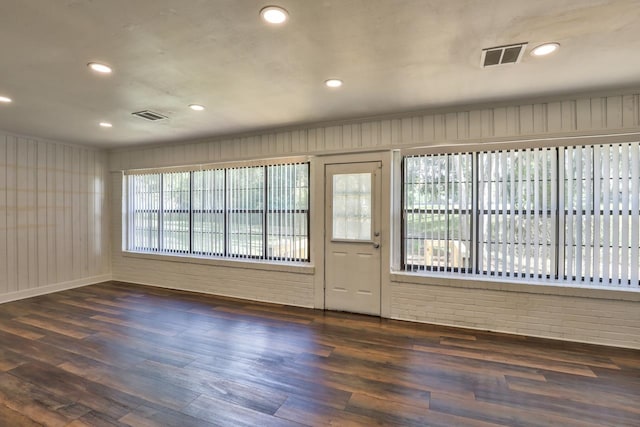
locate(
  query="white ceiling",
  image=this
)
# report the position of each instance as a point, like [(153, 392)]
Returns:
[(393, 55)]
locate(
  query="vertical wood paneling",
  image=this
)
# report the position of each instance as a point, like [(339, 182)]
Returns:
[(614, 112), (406, 130), (385, 132), (583, 114), (41, 209), (4, 167), (568, 116), (52, 208), (32, 227), (463, 125), (429, 126), (12, 204), (60, 215), (417, 129), (513, 121), (554, 117), (595, 114), (22, 207), (500, 122), (475, 124), (488, 123), (299, 142), (50, 214), (439, 126), (540, 118), (525, 119), (451, 127), (629, 111), (396, 132)]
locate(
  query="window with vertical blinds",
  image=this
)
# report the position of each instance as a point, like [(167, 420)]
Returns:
[(437, 212), (569, 214), (253, 212)]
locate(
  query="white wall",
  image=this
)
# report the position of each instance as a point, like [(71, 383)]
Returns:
[(605, 317), (53, 217)]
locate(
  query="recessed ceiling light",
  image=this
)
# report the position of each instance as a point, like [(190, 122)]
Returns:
[(100, 68), (274, 14), (5, 99), (106, 125), (196, 107), (545, 49), (333, 83)]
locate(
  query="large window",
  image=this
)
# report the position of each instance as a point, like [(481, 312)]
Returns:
[(258, 212), (568, 213)]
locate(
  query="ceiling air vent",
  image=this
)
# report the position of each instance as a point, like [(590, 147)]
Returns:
[(500, 55), (150, 115)]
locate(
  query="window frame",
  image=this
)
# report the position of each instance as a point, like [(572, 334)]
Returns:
[(561, 145), (264, 212)]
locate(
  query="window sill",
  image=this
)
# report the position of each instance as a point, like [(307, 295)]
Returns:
[(286, 267), (531, 286)]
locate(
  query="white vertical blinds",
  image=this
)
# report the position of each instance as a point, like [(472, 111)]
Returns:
[(565, 213), (175, 212), (287, 212), (144, 212), (602, 210), (516, 221), (259, 212), (208, 212), (437, 193)]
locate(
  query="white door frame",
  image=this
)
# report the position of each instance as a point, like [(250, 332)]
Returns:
[(318, 221)]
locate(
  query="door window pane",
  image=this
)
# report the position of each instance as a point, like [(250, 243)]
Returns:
[(352, 206)]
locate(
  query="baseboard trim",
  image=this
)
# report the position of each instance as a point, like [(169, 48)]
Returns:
[(56, 287)]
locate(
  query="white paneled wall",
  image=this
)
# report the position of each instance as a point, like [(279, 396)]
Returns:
[(580, 316), (577, 116), (53, 228)]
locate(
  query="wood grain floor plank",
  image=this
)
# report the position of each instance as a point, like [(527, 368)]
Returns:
[(10, 417), (528, 362), (118, 354)]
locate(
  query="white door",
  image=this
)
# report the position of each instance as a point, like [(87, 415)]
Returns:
[(352, 237)]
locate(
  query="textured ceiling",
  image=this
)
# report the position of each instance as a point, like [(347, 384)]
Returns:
[(393, 55)]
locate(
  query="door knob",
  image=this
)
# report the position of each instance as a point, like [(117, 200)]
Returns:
[(376, 245)]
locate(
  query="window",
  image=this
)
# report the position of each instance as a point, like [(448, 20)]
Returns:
[(352, 206), (257, 212), (517, 213), (569, 214), (437, 212)]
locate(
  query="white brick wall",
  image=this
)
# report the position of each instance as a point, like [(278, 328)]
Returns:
[(572, 318)]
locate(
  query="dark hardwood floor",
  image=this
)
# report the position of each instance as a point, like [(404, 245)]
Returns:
[(121, 354)]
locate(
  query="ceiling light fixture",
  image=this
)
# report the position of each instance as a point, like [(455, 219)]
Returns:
[(545, 49), (5, 99), (333, 83), (196, 107), (274, 14), (106, 125), (99, 68)]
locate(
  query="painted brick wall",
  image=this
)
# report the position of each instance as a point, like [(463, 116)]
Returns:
[(593, 320)]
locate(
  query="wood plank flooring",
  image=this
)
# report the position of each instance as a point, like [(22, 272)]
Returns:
[(117, 354)]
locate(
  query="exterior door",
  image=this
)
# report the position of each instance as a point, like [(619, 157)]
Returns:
[(352, 237)]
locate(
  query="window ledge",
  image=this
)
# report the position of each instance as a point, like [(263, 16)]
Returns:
[(547, 287), (286, 267)]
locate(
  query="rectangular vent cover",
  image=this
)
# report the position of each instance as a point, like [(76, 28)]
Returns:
[(150, 115), (500, 55)]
